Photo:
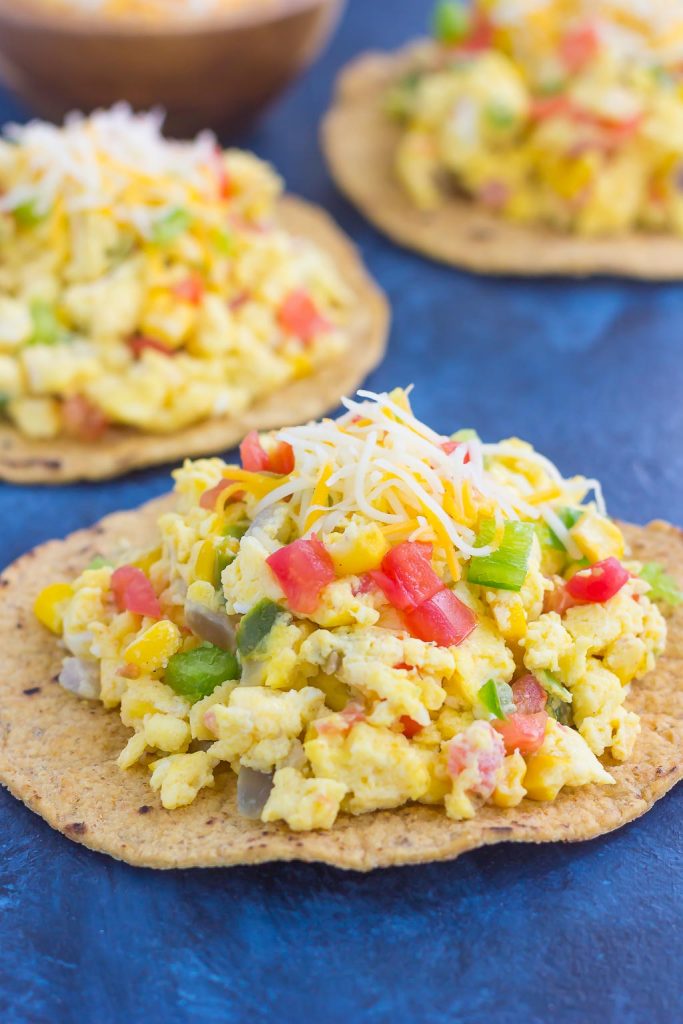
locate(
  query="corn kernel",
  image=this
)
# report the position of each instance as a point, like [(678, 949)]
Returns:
[(362, 553), (205, 563), (146, 560), (598, 537), (49, 605), (154, 647)]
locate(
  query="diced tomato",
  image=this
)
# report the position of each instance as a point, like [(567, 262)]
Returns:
[(449, 447), (299, 315), (257, 460), (191, 289), (484, 761), (408, 565), (410, 726), (208, 498), (281, 459), (599, 582), (404, 666), (480, 36), (394, 591), (443, 619), (239, 300), (543, 107), (302, 569), (83, 420), (578, 47), (226, 187), (558, 600), (341, 722), (522, 732), (133, 592), (139, 342), (253, 454), (528, 695)]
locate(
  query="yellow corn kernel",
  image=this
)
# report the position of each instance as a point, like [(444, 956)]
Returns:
[(49, 605), (364, 553), (515, 626), (146, 560), (319, 497), (598, 537), (154, 647), (205, 562), (302, 364)]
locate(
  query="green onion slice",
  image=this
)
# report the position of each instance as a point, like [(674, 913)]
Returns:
[(496, 698), (553, 687), (662, 586), (506, 568), (167, 228)]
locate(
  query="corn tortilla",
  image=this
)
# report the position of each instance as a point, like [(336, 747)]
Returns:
[(360, 139), (57, 461), (58, 753)]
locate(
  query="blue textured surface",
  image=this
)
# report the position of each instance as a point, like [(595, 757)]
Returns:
[(591, 373)]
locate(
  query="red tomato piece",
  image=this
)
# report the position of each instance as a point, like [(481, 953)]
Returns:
[(480, 35), (543, 107), (443, 619), (410, 726), (408, 565), (578, 47), (133, 592), (302, 569), (599, 582), (558, 600), (253, 454), (208, 498), (528, 695), (449, 447), (522, 732), (82, 419), (191, 289), (139, 342), (394, 591), (485, 762), (299, 315), (281, 459)]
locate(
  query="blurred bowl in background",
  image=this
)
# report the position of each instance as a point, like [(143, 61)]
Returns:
[(216, 71)]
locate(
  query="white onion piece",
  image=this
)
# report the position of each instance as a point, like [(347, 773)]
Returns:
[(296, 758), (252, 673), (253, 790), (80, 677), (215, 627)]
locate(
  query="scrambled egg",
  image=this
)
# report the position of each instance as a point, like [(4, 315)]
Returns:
[(561, 112), (147, 283), (398, 617)]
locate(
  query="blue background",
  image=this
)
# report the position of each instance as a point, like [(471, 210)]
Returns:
[(591, 373)]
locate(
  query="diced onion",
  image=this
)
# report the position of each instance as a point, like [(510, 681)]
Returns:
[(216, 627), (81, 677), (253, 790)]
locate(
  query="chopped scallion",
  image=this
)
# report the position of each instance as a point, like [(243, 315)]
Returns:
[(170, 226), (662, 586), (553, 687), (496, 698), (505, 568)]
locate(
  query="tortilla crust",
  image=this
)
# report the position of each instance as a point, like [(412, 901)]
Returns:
[(58, 753), (359, 140), (120, 449)]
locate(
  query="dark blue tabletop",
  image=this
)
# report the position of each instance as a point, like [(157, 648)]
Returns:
[(592, 374)]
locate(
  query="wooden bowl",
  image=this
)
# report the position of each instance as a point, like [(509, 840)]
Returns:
[(217, 72)]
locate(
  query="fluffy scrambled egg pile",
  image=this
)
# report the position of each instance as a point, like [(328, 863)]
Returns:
[(562, 112), (367, 613), (147, 283)]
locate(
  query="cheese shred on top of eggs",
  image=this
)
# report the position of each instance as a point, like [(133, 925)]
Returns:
[(567, 113), (147, 283), (366, 613)]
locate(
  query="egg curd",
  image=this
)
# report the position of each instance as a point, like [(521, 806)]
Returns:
[(147, 283), (567, 113), (367, 613)]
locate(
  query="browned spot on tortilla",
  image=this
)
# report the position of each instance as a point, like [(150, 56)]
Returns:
[(360, 139), (31, 691), (25, 461), (66, 770)]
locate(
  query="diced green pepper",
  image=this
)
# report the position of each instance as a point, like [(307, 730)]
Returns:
[(506, 568), (223, 560), (47, 329), (663, 587), (170, 226), (496, 698), (98, 562), (236, 530), (256, 625), (195, 674), (499, 116), (4, 402), (224, 241), (553, 687), (450, 21), (28, 214)]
